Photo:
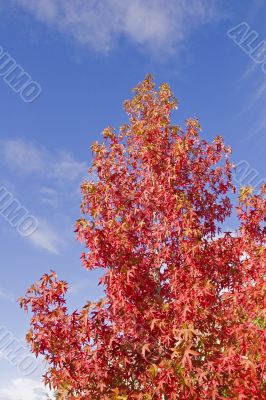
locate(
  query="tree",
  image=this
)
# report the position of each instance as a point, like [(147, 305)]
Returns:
[(183, 315)]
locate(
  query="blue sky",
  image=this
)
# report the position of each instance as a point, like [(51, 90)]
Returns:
[(87, 56)]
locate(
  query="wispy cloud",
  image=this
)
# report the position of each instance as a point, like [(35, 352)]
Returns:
[(23, 389), (22, 156), (26, 158), (254, 106), (154, 24), (4, 295), (49, 196), (252, 80), (58, 175), (77, 287), (46, 237)]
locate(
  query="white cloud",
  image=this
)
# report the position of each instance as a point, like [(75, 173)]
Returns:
[(46, 238), (22, 156), (76, 288), (255, 104), (26, 158), (49, 196), (58, 180), (24, 389), (156, 24), (6, 295)]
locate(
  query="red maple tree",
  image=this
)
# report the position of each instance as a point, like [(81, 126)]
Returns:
[(184, 311)]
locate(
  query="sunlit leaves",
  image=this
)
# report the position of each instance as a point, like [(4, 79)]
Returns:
[(183, 316)]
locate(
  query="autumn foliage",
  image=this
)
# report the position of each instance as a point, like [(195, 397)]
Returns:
[(184, 311)]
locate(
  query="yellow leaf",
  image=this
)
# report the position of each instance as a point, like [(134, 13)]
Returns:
[(245, 191), (153, 370)]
